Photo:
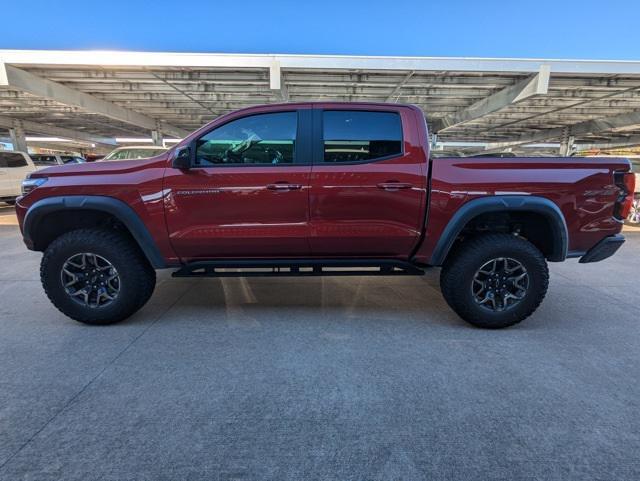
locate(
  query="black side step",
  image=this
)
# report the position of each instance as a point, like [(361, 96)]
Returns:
[(298, 267)]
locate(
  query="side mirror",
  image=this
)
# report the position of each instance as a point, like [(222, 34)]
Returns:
[(182, 159)]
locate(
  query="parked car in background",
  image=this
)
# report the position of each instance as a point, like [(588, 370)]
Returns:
[(14, 168), (136, 152), (321, 189), (47, 160), (634, 213)]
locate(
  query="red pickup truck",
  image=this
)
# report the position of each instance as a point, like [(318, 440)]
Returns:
[(320, 189)]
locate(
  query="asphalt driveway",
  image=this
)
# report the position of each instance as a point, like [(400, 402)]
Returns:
[(321, 378)]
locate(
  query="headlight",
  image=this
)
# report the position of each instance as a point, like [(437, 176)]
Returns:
[(30, 184)]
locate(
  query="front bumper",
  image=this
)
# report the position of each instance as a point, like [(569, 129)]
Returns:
[(603, 249)]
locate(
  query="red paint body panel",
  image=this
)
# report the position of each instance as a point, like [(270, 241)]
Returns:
[(135, 182), (352, 215), (230, 212), (582, 188), (339, 210)]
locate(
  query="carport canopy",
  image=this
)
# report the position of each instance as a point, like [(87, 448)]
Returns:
[(473, 105)]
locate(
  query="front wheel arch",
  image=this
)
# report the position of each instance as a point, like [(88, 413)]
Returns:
[(86, 212)]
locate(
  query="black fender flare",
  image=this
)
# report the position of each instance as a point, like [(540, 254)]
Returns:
[(120, 210), (498, 203)]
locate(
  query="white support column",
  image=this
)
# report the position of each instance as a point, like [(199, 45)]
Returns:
[(156, 136), (434, 141), (18, 136), (566, 145), (276, 80)]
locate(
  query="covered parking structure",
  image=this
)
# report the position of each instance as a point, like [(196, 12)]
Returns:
[(96, 99)]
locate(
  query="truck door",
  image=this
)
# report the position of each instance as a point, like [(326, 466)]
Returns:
[(248, 193), (368, 182)]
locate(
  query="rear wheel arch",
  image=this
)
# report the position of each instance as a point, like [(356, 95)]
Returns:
[(539, 219), (496, 280), (51, 217)]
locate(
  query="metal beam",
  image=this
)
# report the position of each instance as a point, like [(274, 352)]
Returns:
[(535, 85), (322, 62), (24, 81), (631, 141), (38, 128), (396, 90), (583, 128)]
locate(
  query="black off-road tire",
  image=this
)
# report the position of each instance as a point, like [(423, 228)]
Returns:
[(458, 272), (137, 276)]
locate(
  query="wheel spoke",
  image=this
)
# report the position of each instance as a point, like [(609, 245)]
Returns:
[(84, 293), (73, 277), (519, 279), (74, 264)]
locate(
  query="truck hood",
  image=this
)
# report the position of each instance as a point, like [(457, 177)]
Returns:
[(102, 167)]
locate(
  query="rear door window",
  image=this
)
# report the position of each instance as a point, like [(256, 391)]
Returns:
[(360, 136), (12, 160)]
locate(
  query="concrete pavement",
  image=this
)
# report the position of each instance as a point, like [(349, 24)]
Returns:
[(321, 378)]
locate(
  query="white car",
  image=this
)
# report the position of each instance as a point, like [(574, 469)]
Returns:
[(634, 214), (47, 160), (136, 152), (14, 168)]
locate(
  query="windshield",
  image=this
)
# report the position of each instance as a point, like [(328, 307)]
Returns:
[(69, 159), (44, 159), (126, 154)]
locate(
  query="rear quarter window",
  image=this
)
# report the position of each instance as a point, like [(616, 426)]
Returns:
[(12, 160)]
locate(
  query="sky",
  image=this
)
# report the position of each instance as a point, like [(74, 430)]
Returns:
[(580, 29)]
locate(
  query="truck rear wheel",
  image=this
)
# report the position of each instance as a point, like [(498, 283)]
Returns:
[(495, 280), (96, 276)]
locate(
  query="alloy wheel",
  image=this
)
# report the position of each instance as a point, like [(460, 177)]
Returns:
[(500, 284), (90, 280)]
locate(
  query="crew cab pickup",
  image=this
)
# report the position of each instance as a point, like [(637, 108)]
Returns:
[(320, 189)]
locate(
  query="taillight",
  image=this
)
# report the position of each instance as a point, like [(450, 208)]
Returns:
[(627, 183)]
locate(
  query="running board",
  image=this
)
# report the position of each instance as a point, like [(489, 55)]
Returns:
[(298, 267)]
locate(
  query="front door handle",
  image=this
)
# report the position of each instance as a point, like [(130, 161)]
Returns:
[(393, 185), (281, 187)]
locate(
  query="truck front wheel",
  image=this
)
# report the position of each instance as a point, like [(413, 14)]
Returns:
[(96, 276), (495, 280)]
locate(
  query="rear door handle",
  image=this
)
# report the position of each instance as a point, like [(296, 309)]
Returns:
[(281, 187), (392, 185)]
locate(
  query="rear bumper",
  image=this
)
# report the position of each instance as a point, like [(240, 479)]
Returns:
[(603, 249)]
